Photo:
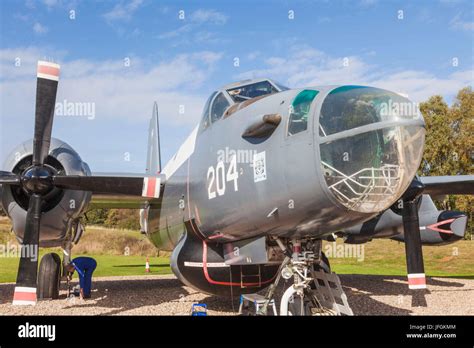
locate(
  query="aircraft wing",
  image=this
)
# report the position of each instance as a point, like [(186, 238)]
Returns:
[(448, 185), (118, 190)]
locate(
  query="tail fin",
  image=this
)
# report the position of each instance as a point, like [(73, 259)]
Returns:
[(153, 165)]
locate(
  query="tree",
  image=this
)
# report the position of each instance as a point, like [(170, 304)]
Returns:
[(123, 218), (97, 216), (115, 218), (449, 145)]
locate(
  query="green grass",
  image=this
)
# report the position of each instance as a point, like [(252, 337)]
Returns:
[(107, 265), (381, 257), (106, 246), (387, 257)]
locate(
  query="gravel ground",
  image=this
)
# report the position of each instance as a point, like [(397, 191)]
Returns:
[(165, 295)]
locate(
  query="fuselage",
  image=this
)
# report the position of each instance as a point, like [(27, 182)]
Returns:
[(335, 160)]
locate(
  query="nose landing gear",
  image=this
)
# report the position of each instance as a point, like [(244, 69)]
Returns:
[(315, 289)]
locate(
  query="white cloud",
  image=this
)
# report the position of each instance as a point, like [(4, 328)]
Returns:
[(208, 16), (253, 55), (367, 3), (21, 62), (123, 99), (50, 3), (198, 19), (119, 92), (458, 23), (38, 28), (123, 10), (420, 85), (305, 66)]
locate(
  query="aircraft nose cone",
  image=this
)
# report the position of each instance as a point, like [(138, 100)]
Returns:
[(371, 144)]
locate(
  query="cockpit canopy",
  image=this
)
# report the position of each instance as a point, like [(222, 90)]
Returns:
[(235, 93), (250, 91)]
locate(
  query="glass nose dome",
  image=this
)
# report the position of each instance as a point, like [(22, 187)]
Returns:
[(371, 144)]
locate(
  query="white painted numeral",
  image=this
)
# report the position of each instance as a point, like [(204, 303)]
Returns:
[(232, 174), (219, 176), (220, 170), (211, 174)]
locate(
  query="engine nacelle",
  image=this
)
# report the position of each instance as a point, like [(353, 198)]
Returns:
[(436, 227), (61, 208)]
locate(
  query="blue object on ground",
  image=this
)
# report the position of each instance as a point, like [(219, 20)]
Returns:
[(199, 310)]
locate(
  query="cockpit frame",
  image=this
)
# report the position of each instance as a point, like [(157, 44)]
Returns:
[(223, 92)]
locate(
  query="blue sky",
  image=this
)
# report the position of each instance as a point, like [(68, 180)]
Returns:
[(418, 48)]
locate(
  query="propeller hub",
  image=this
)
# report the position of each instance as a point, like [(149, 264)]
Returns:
[(37, 180)]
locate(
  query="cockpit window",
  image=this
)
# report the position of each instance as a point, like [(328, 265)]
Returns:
[(299, 111), (350, 107), (243, 93), (219, 105), (205, 113)]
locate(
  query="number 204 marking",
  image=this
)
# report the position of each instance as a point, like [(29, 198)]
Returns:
[(216, 178)]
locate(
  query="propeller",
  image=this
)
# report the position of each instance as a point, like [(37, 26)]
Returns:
[(35, 181), (39, 179)]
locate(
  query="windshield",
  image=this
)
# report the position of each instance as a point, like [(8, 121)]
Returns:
[(243, 93)]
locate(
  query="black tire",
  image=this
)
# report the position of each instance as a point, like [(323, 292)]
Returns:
[(49, 277)]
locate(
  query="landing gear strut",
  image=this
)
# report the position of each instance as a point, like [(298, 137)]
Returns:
[(315, 289)]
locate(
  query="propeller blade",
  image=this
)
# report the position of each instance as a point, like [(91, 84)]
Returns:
[(411, 227), (135, 186), (9, 178), (46, 89), (25, 289)]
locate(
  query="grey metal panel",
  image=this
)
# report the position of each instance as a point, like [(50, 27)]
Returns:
[(246, 252)]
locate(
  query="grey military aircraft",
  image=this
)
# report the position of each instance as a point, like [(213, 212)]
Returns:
[(265, 177)]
